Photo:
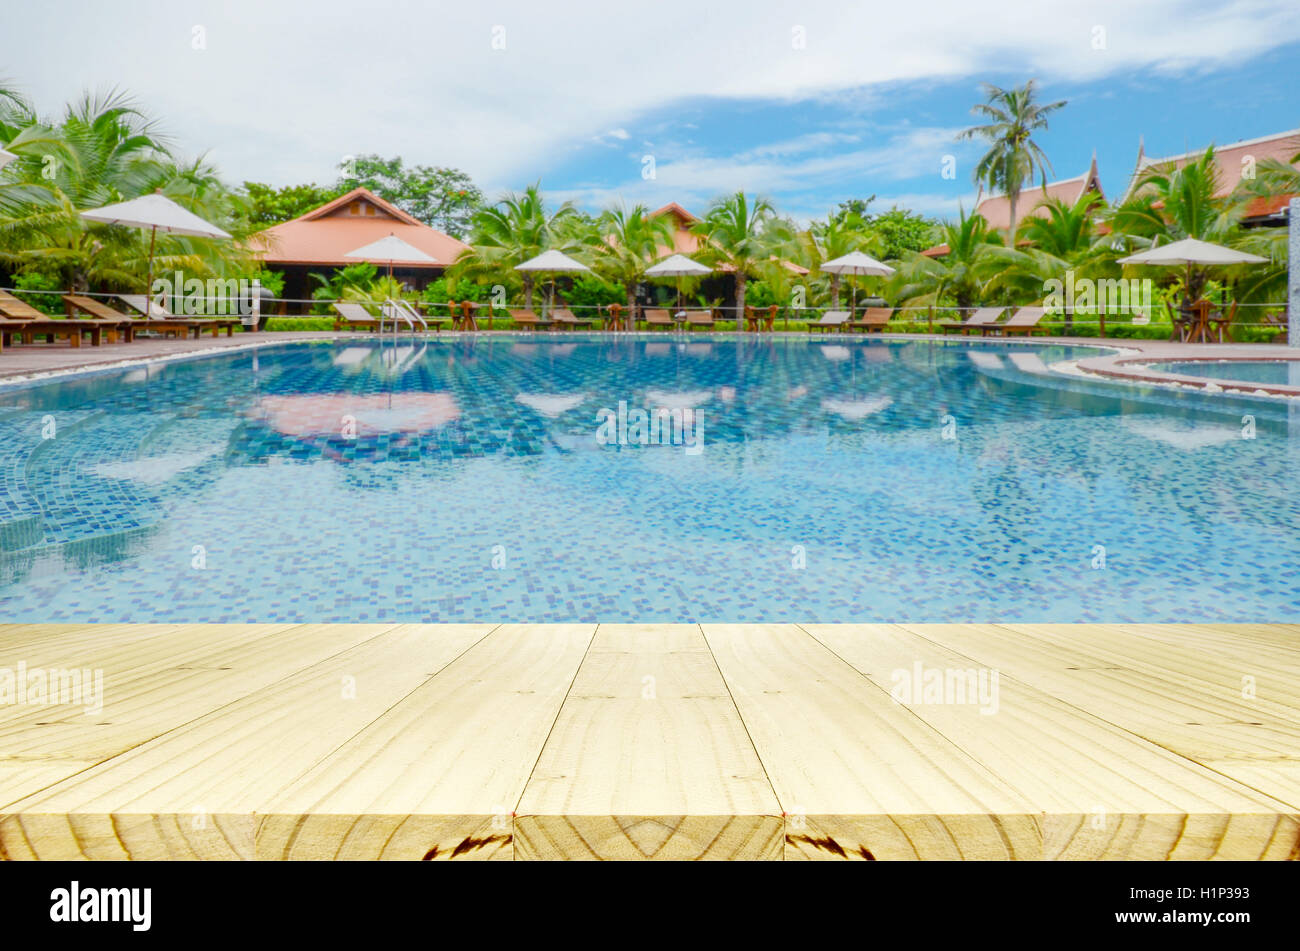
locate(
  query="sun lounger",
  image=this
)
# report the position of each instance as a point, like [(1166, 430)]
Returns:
[(115, 322), (23, 320), (354, 316), (564, 317), (699, 318), (1023, 321), (835, 320), (527, 320), (976, 321), (160, 318), (873, 318), (659, 317)]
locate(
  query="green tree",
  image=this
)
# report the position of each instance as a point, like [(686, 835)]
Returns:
[(735, 234), (1168, 203), (441, 197), (515, 229), (959, 276), (1013, 157), (629, 242), (901, 231), (269, 206)]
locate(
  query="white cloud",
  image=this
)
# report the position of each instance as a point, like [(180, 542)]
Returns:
[(282, 91)]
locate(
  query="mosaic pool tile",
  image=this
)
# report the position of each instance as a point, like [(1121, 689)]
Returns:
[(462, 479)]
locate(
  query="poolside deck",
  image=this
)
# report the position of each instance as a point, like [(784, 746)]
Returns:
[(779, 741)]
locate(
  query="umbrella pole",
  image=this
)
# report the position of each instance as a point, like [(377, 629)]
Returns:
[(148, 291)]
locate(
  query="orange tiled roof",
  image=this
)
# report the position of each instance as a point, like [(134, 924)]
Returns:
[(1232, 160), (324, 235)]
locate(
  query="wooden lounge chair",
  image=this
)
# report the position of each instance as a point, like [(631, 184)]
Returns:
[(527, 320), (699, 318), (832, 320), (1023, 321), (118, 325), (28, 323), (160, 318), (354, 316), (564, 317), (659, 317), (873, 318), (983, 317)]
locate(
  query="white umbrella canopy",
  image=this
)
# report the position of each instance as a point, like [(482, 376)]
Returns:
[(678, 266), (156, 212), (1192, 251), (553, 262), (392, 249), (855, 262)]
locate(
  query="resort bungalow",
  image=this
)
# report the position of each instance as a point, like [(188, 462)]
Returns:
[(996, 209), (1236, 161), (320, 240)]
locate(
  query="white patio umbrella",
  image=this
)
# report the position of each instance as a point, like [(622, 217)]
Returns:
[(678, 266), (156, 212), (855, 262), (392, 249), (1189, 252), (552, 262)]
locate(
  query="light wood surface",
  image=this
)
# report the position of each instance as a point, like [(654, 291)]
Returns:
[(765, 742)]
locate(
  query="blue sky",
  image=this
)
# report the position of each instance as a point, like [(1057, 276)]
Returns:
[(808, 103)]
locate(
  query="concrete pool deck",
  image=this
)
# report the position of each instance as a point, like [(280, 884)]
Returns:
[(761, 742)]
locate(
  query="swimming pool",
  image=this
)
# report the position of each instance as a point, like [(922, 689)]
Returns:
[(1246, 371), (469, 479)]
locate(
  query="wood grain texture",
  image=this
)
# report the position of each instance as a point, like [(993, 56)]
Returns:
[(194, 791), (443, 769), (1105, 793), (1168, 692), (656, 742), (856, 775), (648, 759)]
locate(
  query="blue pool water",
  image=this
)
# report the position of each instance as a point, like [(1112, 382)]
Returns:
[(835, 480), (1246, 371)]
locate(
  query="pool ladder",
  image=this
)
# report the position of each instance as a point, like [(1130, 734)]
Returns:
[(396, 310)]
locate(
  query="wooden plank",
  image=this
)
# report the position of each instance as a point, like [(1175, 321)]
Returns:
[(1104, 793), (194, 792), (152, 684), (648, 759), (856, 774), (440, 774), (1169, 696)]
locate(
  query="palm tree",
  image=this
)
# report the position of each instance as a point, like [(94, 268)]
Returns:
[(960, 275), (628, 243), (104, 150), (734, 232), (1168, 203), (838, 235), (1013, 157), (515, 229)]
